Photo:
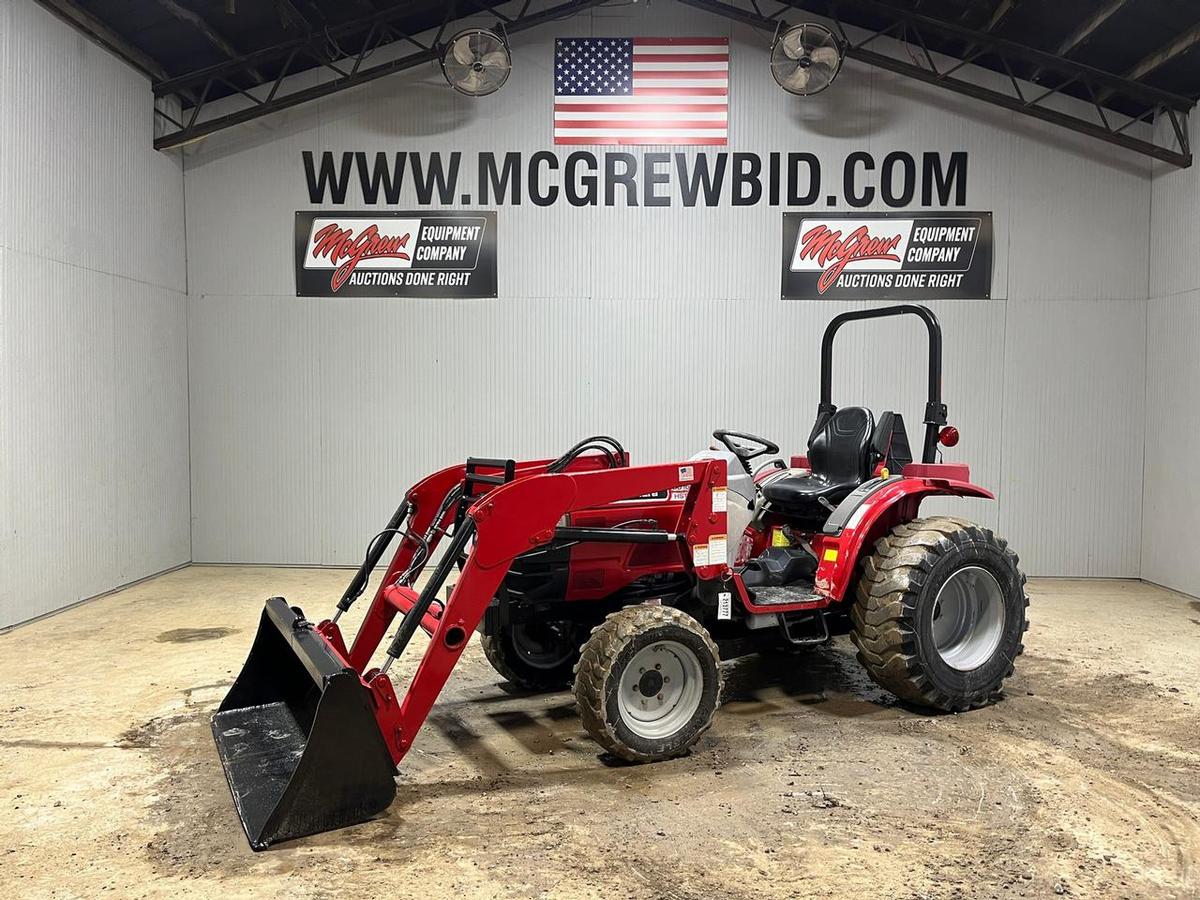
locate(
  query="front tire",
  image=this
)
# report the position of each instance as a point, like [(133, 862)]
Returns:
[(648, 683), (940, 613), (535, 656)]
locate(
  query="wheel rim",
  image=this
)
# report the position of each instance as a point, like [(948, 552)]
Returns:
[(968, 618), (660, 689), (544, 645)]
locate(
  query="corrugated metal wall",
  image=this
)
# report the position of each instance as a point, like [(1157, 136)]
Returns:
[(93, 346), (310, 417), (1172, 491)]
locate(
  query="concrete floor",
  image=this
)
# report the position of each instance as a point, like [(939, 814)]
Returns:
[(1084, 782)]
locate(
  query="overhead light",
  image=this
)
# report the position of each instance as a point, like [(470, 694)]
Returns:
[(476, 62), (806, 58)]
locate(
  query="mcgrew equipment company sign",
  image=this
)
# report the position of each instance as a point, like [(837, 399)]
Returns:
[(887, 256), (395, 254)]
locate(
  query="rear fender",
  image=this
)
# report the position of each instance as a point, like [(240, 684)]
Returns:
[(863, 518)]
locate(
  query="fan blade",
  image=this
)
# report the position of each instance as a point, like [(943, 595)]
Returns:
[(472, 83), (485, 43), (455, 71), (797, 81), (497, 59), (827, 56), (462, 52), (793, 43)]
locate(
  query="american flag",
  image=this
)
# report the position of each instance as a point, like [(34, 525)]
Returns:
[(641, 90)]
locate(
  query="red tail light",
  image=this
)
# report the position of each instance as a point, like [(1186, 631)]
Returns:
[(948, 436)]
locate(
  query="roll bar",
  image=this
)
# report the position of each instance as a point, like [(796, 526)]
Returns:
[(935, 409)]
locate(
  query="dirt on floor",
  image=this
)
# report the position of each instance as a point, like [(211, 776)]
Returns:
[(1083, 782)]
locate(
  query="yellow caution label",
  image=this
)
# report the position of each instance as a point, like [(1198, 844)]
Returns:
[(779, 538), (830, 554)]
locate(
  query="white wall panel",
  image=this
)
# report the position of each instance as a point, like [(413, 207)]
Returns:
[(1172, 498), (152, 530), (60, 451), (1081, 215), (84, 186), (1072, 436), (94, 488), (1175, 225), (310, 417), (7, 518)]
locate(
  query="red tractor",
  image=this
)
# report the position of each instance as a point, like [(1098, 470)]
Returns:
[(632, 582)]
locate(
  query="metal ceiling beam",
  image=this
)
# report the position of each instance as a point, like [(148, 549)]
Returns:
[(351, 74), (1002, 47), (1161, 57), (1001, 11), (909, 27), (1084, 31), (282, 50), (290, 16), (210, 34), (1003, 8), (84, 21)]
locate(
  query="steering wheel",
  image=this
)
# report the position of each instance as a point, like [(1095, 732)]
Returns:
[(745, 446)]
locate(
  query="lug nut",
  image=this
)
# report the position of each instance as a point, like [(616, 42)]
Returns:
[(657, 666)]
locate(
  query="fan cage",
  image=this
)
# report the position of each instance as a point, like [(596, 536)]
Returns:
[(448, 61), (829, 39)]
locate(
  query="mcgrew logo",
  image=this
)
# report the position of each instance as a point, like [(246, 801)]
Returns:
[(832, 253), (341, 247)]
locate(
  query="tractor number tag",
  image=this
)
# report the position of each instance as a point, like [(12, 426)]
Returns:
[(725, 605)]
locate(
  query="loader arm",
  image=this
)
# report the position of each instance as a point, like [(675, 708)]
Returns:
[(430, 520), (510, 521)]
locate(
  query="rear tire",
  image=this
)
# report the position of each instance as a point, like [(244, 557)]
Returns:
[(940, 613), (537, 656), (648, 683)]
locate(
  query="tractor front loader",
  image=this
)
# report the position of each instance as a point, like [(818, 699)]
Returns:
[(310, 736)]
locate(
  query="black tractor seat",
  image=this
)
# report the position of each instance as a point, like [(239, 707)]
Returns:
[(841, 457)]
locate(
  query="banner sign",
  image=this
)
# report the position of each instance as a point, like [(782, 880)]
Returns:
[(395, 254), (887, 256)]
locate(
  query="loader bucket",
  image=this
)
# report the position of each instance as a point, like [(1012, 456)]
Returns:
[(298, 738)]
